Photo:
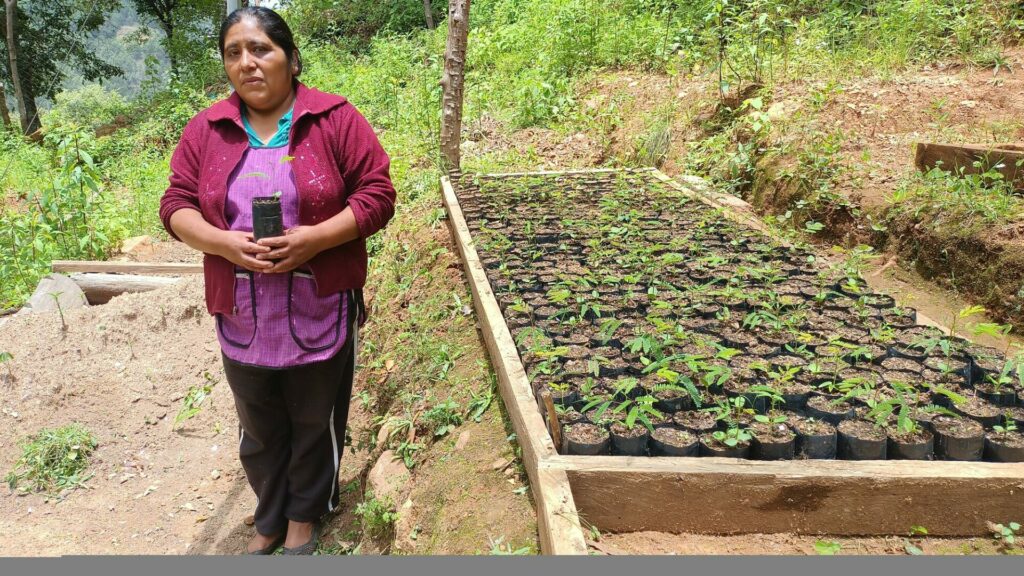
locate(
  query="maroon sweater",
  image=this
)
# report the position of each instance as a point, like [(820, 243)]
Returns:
[(337, 162)]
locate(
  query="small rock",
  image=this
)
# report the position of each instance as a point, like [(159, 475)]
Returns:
[(777, 112), (215, 474), (388, 477), (500, 463), (53, 290), (137, 245), (249, 520), (969, 104), (462, 441), (382, 435)]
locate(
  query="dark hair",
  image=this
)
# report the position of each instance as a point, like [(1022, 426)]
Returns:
[(272, 25)]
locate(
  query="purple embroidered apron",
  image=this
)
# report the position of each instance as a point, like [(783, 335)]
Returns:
[(278, 321)]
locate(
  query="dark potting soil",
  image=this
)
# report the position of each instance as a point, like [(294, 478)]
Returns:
[(811, 426), (978, 408), (901, 364), (861, 429), (914, 437), (957, 427), (1008, 439), (695, 420), (620, 429), (586, 433), (828, 405), (766, 431), (674, 436)]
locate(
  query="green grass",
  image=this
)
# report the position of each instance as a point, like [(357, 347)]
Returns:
[(53, 460), (960, 205), (376, 516)]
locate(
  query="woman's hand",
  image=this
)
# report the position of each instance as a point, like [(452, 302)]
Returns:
[(298, 246), (239, 248)]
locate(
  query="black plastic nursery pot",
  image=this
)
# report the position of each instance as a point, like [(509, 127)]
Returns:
[(822, 407), (958, 439), (772, 442), (696, 421), (629, 441), (979, 410), (1004, 447), (565, 398), (795, 399), (711, 447), (860, 440), (585, 439), (674, 441), (1001, 397), (815, 439), (673, 402), (267, 221), (919, 445)]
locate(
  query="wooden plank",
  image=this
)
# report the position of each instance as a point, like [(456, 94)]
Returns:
[(100, 288), (112, 267), (734, 208), (558, 523), (956, 157), (557, 520), (552, 417), (729, 496), (576, 172)]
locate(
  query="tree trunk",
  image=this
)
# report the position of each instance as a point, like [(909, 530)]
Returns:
[(168, 28), (428, 13), (12, 54), (3, 107), (453, 82)]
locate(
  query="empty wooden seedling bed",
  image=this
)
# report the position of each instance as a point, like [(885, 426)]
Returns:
[(722, 495)]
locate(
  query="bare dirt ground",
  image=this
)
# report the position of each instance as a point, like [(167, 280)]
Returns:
[(122, 370), (780, 544)]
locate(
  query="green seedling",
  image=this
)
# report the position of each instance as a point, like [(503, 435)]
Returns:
[(194, 399)]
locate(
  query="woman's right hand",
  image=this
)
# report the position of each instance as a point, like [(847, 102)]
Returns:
[(239, 247)]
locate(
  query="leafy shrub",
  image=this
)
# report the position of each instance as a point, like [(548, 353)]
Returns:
[(352, 24), (91, 105), (377, 516)]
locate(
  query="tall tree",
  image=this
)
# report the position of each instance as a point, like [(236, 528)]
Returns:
[(453, 82), (187, 25), (3, 107), (46, 41), (428, 14), (11, 22)]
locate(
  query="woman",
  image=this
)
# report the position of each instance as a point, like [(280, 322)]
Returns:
[(287, 307)]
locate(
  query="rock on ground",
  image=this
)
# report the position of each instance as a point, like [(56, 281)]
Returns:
[(56, 290), (388, 477)]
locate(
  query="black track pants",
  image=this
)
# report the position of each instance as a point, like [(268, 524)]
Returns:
[(292, 434)]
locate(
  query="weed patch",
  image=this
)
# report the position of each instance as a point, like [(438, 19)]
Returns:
[(53, 460)]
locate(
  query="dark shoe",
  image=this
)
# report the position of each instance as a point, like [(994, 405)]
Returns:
[(308, 548), (271, 548)]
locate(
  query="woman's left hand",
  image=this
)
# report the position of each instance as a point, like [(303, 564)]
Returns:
[(298, 246)]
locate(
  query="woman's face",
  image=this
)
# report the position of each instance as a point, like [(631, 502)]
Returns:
[(259, 70)]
